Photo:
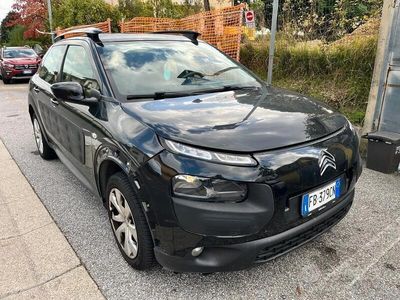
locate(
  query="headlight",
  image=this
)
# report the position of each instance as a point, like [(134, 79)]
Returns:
[(10, 66), (224, 158), (208, 189), (354, 130)]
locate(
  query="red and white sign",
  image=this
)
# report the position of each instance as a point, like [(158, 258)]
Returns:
[(249, 15), (250, 19)]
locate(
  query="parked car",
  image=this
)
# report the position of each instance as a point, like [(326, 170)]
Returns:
[(200, 164), (18, 63)]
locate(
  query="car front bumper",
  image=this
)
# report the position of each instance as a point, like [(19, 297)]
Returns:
[(236, 234), (18, 74), (240, 256)]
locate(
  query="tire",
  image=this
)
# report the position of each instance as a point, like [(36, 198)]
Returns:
[(128, 223), (6, 80), (45, 151)]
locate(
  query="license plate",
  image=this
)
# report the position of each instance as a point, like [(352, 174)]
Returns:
[(318, 198), (27, 71)]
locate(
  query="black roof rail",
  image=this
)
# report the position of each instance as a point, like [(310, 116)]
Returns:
[(191, 35), (91, 32)]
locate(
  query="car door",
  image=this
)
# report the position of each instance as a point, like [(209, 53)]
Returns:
[(40, 90), (77, 121)]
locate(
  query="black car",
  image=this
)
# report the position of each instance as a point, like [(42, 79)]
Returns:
[(200, 164)]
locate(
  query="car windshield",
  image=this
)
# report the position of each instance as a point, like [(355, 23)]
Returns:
[(19, 53), (154, 67)]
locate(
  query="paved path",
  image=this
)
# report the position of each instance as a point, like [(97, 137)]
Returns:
[(357, 259), (35, 258)]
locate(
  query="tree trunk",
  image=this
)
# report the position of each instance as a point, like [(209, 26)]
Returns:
[(206, 5)]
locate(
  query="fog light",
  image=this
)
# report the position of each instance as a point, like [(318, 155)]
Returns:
[(197, 251)]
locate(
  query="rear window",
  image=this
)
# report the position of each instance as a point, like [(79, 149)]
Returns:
[(148, 67)]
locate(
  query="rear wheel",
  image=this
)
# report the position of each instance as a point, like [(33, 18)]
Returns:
[(128, 223), (43, 147)]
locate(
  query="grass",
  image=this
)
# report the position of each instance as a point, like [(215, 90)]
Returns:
[(339, 73)]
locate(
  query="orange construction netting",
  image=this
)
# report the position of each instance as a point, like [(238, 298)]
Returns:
[(220, 27), (104, 26)]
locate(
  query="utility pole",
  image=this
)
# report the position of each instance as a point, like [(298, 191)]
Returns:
[(377, 84), (50, 19), (272, 40), (206, 5)]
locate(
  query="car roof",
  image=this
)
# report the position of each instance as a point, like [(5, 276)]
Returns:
[(14, 48)]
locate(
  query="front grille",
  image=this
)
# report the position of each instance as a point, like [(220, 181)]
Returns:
[(23, 67), (284, 246)]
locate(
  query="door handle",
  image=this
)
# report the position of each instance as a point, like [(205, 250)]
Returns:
[(36, 89), (54, 101)]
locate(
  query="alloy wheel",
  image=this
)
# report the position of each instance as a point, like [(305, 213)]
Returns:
[(123, 223), (38, 135)]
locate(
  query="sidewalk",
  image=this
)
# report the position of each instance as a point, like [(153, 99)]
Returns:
[(36, 261)]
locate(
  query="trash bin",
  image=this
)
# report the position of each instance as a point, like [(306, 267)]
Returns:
[(383, 151)]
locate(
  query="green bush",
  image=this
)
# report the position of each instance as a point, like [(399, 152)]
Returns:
[(16, 38), (69, 13), (339, 73)]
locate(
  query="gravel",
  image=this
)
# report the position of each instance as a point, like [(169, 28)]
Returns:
[(359, 258)]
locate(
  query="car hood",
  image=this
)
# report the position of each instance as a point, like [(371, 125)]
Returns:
[(238, 121), (22, 61)]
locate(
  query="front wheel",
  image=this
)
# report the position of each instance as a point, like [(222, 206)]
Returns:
[(6, 80), (43, 147), (128, 223)]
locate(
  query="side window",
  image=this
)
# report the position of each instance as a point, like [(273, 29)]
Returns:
[(51, 65), (77, 67)]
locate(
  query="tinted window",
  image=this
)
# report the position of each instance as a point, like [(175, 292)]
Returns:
[(77, 67), (19, 53), (51, 64), (147, 67)]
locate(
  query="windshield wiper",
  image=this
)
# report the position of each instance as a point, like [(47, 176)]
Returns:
[(190, 73), (163, 95)]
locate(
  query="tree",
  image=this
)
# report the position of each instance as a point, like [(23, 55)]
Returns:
[(16, 37), (168, 9), (6, 27), (31, 14), (320, 19), (134, 8), (77, 12)]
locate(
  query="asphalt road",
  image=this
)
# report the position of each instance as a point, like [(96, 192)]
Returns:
[(357, 259)]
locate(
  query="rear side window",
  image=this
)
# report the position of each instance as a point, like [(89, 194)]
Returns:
[(51, 64), (77, 68)]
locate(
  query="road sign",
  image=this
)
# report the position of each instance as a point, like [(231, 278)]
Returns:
[(249, 15), (250, 19)]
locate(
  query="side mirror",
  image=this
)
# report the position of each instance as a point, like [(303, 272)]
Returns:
[(72, 92)]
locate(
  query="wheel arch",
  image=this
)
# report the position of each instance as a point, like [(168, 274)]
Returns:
[(33, 111), (110, 160), (107, 168)]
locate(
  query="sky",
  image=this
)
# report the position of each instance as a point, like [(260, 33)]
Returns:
[(5, 7)]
